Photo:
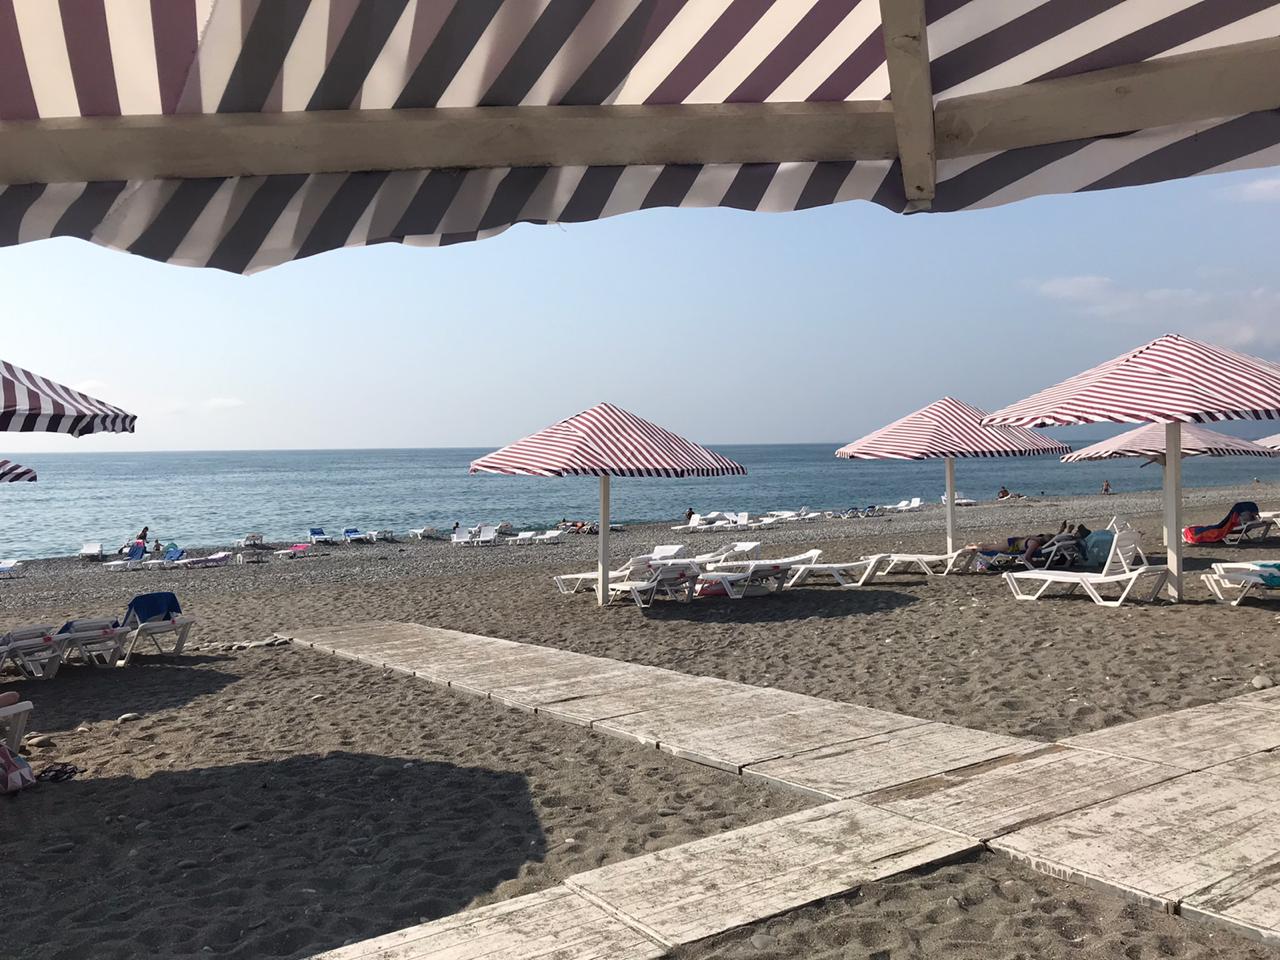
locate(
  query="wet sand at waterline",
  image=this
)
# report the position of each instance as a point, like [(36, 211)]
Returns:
[(275, 802)]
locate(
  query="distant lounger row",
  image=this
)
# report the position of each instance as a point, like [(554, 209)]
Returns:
[(37, 651), (718, 521)]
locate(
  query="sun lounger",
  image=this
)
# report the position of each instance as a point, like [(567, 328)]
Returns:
[(96, 642), (550, 536), (13, 723), (855, 573), (317, 535), (675, 579), (294, 552), (744, 550), (354, 534), (33, 650), (1242, 579), (809, 556), (171, 556), (576, 582), (461, 539), (151, 616), (738, 578), (91, 551), (219, 559), (485, 537), (1119, 571), (11, 569), (424, 533), (1251, 532), (932, 564), (694, 523), (250, 540), (522, 539), (132, 561)]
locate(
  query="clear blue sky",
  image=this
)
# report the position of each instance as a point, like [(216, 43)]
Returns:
[(722, 325)]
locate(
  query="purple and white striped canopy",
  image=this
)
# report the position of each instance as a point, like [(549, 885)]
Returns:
[(606, 441), (184, 58), (1171, 379), (11, 472), (33, 404), (1149, 442), (948, 429)]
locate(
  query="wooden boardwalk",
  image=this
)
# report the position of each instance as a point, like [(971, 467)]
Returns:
[(1181, 811)]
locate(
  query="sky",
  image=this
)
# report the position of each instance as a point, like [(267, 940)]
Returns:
[(725, 326)]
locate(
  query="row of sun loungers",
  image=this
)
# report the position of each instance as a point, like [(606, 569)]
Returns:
[(488, 536), (37, 651)]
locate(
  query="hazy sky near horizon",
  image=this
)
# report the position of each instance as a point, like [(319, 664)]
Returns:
[(725, 326)]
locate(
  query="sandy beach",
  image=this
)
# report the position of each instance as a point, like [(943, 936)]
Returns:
[(274, 802)]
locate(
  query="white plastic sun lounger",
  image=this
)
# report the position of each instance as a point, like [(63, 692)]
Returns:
[(486, 537), (423, 533), (11, 569), (91, 551), (737, 578), (576, 582), (932, 564), (353, 534), (675, 579), (33, 650), (1119, 571), (250, 540), (523, 538), (855, 573), (809, 556), (1242, 579), (317, 535), (95, 642), (743, 550), (694, 523), (13, 723), (1251, 532), (550, 536)]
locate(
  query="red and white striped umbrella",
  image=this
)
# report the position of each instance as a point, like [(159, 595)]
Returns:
[(1171, 379), (1149, 442), (948, 429), (11, 472), (606, 441), (33, 404)]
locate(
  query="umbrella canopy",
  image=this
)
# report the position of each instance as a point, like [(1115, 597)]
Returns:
[(1149, 442), (11, 472), (948, 429), (606, 441), (1171, 380), (33, 404), (224, 134)]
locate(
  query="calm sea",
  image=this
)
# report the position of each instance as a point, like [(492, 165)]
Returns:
[(211, 498)]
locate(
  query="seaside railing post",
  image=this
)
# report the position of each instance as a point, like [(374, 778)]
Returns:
[(1173, 507), (602, 589), (951, 505)]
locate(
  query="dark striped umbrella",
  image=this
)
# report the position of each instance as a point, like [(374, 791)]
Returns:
[(11, 472), (30, 403)]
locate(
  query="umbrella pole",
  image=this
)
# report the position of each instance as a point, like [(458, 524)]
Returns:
[(1173, 507), (602, 586), (951, 505)]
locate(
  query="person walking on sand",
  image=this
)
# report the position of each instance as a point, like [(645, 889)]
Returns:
[(1106, 487)]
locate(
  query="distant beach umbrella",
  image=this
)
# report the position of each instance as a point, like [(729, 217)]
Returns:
[(1149, 442), (30, 403), (950, 430), (1171, 380), (606, 441), (11, 472)]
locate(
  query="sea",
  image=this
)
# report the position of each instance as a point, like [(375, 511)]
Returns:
[(205, 498)]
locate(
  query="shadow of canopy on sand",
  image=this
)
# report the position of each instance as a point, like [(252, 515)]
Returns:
[(80, 694), (802, 603), (259, 859)]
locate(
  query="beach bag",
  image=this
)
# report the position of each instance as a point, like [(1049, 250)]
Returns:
[(1097, 547), (15, 772)]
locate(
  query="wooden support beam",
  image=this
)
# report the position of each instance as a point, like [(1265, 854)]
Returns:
[(1221, 82), (335, 141), (906, 46)]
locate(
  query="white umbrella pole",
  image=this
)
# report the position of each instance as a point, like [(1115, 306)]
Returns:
[(1173, 507), (602, 588), (951, 505)]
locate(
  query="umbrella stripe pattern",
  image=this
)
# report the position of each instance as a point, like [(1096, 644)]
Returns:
[(11, 472), (948, 429), (1171, 379), (606, 441), (30, 403), (94, 58), (1149, 441)]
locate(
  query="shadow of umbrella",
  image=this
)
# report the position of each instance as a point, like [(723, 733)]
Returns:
[(802, 603), (276, 859)]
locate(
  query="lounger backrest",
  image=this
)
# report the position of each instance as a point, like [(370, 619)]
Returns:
[(34, 632), (1124, 550), (146, 607), (317, 531), (667, 551)]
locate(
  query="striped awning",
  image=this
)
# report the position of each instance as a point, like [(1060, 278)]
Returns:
[(33, 404), (1171, 379), (1149, 442), (606, 441), (948, 429), (240, 134), (11, 472)]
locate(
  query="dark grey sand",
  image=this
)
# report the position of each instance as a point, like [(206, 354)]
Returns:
[(446, 793)]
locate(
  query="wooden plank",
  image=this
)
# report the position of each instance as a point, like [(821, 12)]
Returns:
[(906, 45), (1247, 902), (592, 710), (886, 760), (567, 683), (700, 889), (732, 746), (993, 799), (342, 634), (529, 661), (1262, 768), (686, 718), (1268, 699), (1160, 844), (1219, 82), (555, 924), (335, 141), (1191, 739)]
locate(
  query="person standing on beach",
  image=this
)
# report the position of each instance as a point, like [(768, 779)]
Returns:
[(142, 536), (1106, 487), (688, 515)]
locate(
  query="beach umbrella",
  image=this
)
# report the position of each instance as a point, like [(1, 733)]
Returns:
[(1171, 380), (948, 430), (30, 403), (1149, 442), (606, 441), (11, 472)]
